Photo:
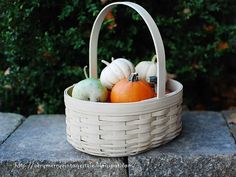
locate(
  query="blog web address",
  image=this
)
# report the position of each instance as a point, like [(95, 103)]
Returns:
[(32, 165)]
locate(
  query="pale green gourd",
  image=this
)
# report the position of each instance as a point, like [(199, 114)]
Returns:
[(90, 89)]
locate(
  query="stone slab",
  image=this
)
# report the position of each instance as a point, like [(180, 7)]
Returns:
[(228, 116), (8, 123), (204, 148), (39, 148)]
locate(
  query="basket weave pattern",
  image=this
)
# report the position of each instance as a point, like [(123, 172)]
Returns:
[(121, 136)]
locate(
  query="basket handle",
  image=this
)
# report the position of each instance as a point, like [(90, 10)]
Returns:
[(159, 47)]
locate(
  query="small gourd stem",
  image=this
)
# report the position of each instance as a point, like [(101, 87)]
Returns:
[(105, 62), (112, 58), (154, 58), (152, 79), (133, 77), (85, 73)]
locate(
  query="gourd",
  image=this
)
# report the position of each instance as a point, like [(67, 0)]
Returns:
[(90, 89), (118, 69), (145, 69), (131, 90)]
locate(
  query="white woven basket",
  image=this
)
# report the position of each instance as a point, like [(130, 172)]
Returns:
[(122, 129)]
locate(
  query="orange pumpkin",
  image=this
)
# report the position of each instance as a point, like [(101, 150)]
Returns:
[(131, 90)]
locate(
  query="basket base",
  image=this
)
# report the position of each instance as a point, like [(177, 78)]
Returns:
[(156, 144)]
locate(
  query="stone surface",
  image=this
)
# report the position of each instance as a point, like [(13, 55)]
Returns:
[(39, 148), (228, 115), (205, 148), (8, 123)]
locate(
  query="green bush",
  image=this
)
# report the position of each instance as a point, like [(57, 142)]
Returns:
[(44, 45)]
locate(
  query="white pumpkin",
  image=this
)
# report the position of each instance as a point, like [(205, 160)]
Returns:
[(145, 69), (118, 69)]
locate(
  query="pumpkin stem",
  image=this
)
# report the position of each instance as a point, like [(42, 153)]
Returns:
[(133, 77), (105, 62), (154, 58), (112, 58), (85, 73)]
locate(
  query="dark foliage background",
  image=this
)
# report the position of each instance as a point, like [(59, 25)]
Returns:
[(44, 45)]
